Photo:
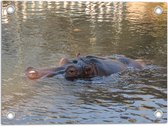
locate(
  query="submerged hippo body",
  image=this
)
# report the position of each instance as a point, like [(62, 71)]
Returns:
[(85, 67)]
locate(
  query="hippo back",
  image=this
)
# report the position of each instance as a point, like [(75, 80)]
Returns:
[(130, 62), (104, 67)]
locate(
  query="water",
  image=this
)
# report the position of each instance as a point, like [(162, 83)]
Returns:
[(39, 34)]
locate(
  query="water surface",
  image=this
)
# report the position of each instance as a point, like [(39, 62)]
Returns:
[(39, 34)]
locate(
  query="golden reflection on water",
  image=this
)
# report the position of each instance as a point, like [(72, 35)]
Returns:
[(132, 16), (134, 10)]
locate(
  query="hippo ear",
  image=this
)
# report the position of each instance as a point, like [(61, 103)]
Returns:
[(78, 55), (63, 62)]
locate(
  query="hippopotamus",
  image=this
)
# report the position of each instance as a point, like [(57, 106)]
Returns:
[(85, 67)]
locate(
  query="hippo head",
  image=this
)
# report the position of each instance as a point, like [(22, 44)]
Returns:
[(76, 71), (71, 69)]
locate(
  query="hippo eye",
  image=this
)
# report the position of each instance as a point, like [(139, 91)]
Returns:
[(75, 61)]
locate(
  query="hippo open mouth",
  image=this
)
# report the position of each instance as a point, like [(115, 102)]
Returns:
[(32, 73)]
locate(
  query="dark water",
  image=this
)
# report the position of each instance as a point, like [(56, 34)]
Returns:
[(39, 34)]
